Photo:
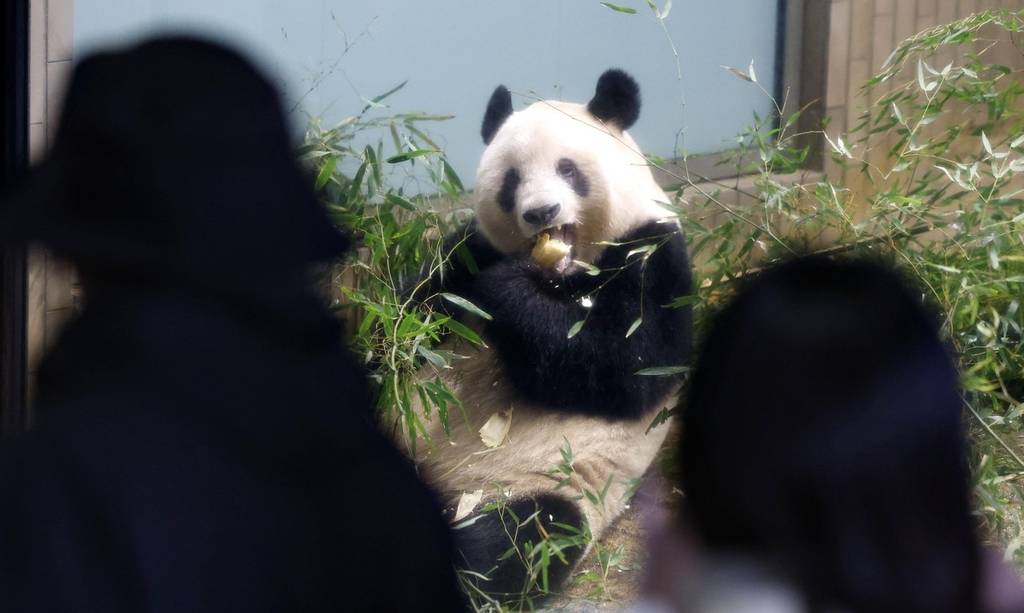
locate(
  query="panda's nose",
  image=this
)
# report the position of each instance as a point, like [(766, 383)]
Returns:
[(542, 215)]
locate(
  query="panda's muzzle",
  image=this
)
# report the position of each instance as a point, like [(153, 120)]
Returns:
[(543, 215)]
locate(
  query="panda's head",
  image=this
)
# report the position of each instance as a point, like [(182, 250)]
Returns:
[(567, 170)]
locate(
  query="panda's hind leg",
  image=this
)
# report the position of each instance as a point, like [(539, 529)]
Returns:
[(505, 543)]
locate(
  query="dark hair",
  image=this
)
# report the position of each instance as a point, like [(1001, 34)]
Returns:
[(823, 434)]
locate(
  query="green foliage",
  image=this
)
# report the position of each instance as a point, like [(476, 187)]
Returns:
[(398, 232), (608, 558), (929, 180), (620, 8)]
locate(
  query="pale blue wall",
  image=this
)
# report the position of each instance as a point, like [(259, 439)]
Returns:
[(454, 52)]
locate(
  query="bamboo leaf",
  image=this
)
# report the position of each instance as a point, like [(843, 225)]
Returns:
[(465, 332), (663, 416), (325, 172), (432, 357), (618, 8), (739, 73), (647, 250), (461, 302), (409, 155), (662, 371), (375, 101), (400, 201)]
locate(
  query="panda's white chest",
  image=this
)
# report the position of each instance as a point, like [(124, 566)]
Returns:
[(523, 458)]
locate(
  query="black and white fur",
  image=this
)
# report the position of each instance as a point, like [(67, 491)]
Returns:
[(582, 390)]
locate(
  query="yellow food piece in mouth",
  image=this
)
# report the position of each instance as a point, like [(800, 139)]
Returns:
[(548, 252)]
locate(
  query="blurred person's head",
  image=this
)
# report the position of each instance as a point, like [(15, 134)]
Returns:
[(823, 438), (173, 164)]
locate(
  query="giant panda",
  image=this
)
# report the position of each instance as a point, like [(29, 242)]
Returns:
[(570, 172)]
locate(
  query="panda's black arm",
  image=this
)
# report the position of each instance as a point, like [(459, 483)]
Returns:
[(593, 372), (467, 252)]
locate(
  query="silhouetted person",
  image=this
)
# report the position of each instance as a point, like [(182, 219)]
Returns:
[(824, 462), (204, 442)]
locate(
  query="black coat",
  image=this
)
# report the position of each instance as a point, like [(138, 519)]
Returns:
[(204, 441), (190, 461)]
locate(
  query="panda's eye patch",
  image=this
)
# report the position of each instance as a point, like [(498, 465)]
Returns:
[(566, 168), (507, 193)]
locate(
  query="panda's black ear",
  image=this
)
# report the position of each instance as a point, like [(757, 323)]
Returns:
[(499, 107), (616, 100)]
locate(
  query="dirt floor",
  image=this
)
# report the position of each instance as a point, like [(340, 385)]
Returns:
[(591, 590)]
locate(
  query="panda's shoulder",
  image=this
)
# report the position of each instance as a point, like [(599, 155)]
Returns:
[(664, 235), (652, 228)]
